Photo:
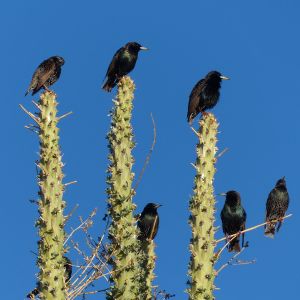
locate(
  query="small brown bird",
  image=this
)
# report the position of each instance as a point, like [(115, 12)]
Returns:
[(205, 94), (122, 63), (46, 74), (276, 207)]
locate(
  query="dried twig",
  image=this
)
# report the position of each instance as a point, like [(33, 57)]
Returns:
[(251, 228), (82, 225), (234, 262), (148, 156)]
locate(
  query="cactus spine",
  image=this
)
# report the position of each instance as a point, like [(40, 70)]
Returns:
[(51, 284), (202, 208), (124, 244)]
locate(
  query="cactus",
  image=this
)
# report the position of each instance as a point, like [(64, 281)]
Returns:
[(124, 245), (147, 262), (51, 283), (202, 208)]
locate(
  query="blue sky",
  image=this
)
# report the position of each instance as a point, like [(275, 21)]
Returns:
[(254, 43)]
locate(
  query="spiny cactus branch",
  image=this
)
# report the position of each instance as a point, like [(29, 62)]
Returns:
[(202, 208), (124, 244), (51, 278), (147, 263)]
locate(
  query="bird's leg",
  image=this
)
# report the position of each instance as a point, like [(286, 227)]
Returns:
[(279, 224), (227, 241), (204, 113), (243, 239), (46, 88)]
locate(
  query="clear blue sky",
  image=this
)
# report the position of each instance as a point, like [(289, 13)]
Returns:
[(255, 43)]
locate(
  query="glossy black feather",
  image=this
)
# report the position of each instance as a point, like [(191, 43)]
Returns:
[(46, 74), (68, 275), (122, 63), (205, 94), (233, 218), (276, 206), (148, 222)]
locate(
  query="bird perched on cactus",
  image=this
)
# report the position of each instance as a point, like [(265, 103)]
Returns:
[(46, 74), (205, 94), (148, 222), (68, 275), (122, 63), (233, 218), (276, 207)]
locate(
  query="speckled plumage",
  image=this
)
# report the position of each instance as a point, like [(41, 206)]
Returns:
[(233, 218), (148, 222), (46, 74), (276, 206), (122, 63), (205, 94)]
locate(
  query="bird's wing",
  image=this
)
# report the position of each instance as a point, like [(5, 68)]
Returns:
[(194, 100), (154, 228), (270, 205), (43, 73), (111, 68)]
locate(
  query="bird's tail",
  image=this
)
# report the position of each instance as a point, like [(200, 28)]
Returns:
[(235, 245), (109, 84), (270, 230)]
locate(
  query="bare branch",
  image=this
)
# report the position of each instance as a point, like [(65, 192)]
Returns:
[(251, 228), (234, 262), (148, 156)]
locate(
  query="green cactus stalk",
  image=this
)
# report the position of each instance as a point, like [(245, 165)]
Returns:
[(147, 263), (202, 208), (124, 245), (51, 283)]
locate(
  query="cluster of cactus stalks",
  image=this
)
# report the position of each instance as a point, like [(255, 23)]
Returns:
[(132, 261), (202, 208)]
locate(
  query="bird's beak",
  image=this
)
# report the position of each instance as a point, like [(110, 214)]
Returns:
[(224, 77), (222, 194), (143, 48), (158, 205)]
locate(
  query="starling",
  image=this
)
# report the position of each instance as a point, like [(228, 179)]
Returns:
[(46, 74), (68, 275), (233, 218), (276, 206), (122, 63), (148, 222), (205, 94)]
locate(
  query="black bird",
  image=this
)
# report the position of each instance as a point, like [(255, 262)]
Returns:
[(233, 218), (68, 275), (122, 63), (205, 94), (148, 222), (276, 207), (46, 74)]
